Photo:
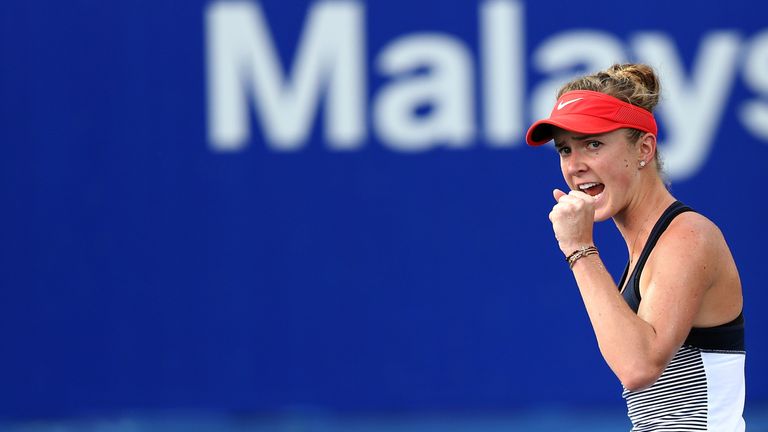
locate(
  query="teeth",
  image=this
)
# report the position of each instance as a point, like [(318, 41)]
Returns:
[(587, 185)]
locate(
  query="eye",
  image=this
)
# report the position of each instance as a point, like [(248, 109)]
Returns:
[(564, 150), (594, 144)]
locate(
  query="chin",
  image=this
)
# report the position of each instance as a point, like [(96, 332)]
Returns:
[(601, 218), (601, 208)]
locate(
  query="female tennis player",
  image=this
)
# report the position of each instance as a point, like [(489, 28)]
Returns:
[(673, 330)]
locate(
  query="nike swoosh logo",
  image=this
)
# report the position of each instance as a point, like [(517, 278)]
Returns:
[(562, 105)]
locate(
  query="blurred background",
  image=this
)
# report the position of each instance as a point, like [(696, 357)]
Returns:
[(322, 216)]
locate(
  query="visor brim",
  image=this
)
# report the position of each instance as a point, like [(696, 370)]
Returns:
[(542, 131)]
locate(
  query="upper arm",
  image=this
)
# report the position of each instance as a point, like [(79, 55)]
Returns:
[(675, 280)]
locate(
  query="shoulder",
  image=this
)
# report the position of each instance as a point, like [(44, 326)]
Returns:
[(692, 229), (691, 244), (690, 275)]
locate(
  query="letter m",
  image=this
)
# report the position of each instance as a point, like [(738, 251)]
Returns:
[(243, 66)]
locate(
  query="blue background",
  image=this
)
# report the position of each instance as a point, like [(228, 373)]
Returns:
[(141, 271)]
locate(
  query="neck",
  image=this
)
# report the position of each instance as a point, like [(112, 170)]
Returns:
[(637, 219)]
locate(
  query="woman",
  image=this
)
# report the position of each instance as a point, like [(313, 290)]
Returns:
[(672, 331)]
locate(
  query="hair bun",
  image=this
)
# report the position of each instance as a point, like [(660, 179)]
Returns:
[(635, 83)]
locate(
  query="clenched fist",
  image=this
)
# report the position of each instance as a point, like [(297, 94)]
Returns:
[(573, 218)]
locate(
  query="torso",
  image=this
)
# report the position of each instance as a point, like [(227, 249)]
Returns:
[(702, 387), (722, 302)]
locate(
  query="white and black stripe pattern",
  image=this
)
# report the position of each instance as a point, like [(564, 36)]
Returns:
[(678, 399)]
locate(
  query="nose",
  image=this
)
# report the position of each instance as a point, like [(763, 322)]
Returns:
[(574, 164)]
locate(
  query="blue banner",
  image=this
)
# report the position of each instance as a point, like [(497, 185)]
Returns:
[(255, 206)]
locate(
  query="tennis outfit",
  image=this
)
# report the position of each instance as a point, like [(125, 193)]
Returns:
[(702, 388)]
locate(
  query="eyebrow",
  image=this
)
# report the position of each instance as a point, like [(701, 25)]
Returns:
[(577, 138), (583, 137)]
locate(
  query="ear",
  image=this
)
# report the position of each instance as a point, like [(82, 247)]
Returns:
[(646, 147)]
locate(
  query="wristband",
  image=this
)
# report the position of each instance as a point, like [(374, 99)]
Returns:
[(580, 253)]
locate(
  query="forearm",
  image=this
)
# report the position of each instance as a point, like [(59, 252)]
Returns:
[(630, 345), (625, 340)]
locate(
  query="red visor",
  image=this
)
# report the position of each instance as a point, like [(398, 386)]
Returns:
[(590, 112)]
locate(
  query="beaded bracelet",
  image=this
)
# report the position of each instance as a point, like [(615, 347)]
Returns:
[(580, 253)]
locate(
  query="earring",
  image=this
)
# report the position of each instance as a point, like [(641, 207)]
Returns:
[(642, 164)]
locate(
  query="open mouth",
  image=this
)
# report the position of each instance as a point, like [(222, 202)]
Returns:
[(592, 189)]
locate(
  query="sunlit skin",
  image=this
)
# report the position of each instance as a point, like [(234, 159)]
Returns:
[(689, 280)]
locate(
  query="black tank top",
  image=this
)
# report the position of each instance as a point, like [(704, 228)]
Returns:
[(728, 336)]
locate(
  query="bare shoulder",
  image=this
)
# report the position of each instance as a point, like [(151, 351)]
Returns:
[(692, 230), (692, 267), (692, 246)]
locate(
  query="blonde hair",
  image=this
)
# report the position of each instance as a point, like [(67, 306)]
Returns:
[(635, 83)]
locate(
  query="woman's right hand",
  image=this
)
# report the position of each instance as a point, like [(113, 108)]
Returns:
[(573, 219)]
